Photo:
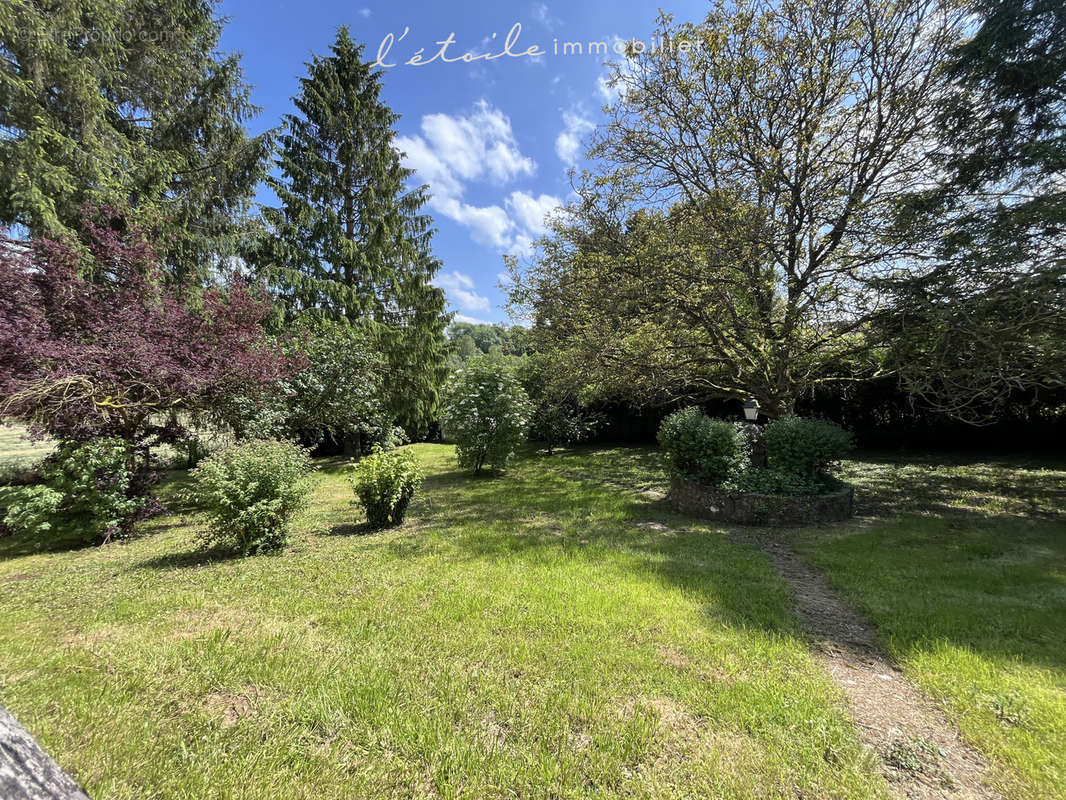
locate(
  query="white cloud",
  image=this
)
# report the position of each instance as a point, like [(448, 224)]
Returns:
[(471, 320), (365, 12), (454, 150), (543, 15), (489, 225), (476, 146), (530, 212), (568, 142), (460, 289)]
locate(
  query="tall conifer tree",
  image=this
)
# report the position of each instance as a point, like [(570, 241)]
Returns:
[(349, 240), (127, 103)]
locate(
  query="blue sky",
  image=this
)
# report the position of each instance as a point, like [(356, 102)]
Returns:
[(492, 139)]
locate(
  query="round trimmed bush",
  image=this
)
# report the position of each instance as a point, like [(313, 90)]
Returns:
[(385, 482), (251, 493), (702, 449), (804, 446)]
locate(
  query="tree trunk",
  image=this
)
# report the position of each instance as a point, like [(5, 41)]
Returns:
[(26, 771), (353, 445)]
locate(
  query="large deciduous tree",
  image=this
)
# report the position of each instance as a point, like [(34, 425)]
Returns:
[(735, 214), (129, 103), (349, 240), (983, 318), (333, 390), (95, 342)]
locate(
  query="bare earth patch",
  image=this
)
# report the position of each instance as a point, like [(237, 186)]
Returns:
[(233, 707), (922, 754), (673, 658)]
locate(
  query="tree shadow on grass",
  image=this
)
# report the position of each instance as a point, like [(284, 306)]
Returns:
[(957, 486), (20, 545), (569, 504), (198, 557)]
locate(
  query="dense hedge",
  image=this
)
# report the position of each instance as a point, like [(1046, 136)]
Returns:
[(879, 415), (800, 454)]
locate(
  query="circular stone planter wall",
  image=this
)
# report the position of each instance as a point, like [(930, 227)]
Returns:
[(707, 502)]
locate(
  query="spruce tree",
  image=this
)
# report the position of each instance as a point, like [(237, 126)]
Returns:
[(127, 103), (348, 239)]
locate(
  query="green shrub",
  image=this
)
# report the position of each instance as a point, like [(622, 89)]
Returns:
[(19, 474), (88, 489), (771, 481), (32, 509), (702, 449), (251, 493), (486, 412), (385, 481), (805, 446)]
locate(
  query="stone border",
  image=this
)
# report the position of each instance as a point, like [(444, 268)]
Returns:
[(708, 502)]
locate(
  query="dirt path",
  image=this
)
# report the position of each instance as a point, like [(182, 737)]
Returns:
[(921, 753)]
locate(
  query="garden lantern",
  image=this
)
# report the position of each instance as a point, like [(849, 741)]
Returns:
[(751, 410)]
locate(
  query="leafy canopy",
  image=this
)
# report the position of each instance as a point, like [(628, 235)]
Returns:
[(127, 102), (95, 342)]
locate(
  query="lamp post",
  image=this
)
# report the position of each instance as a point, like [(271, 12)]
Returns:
[(754, 433)]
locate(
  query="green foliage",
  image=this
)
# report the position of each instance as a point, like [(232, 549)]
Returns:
[(707, 450), (805, 447), (557, 417), (336, 389), (799, 453), (470, 338), (486, 412), (127, 103), (773, 481), (251, 493), (349, 239), (88, 489), (756, 280), (559, 422), (385, 482), (32, 508), (979, 320)]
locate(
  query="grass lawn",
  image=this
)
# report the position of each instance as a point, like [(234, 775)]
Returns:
[(519, 636), (16, 451), (546, 633), (967, 589)]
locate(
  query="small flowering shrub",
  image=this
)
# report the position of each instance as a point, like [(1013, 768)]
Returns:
[(805, 446), (486, 412), (251, 493), (87, 489), (385, 481), (702, 449)]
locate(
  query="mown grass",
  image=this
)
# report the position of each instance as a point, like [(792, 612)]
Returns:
[(967, 587), (545, 633), (16, 450)]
